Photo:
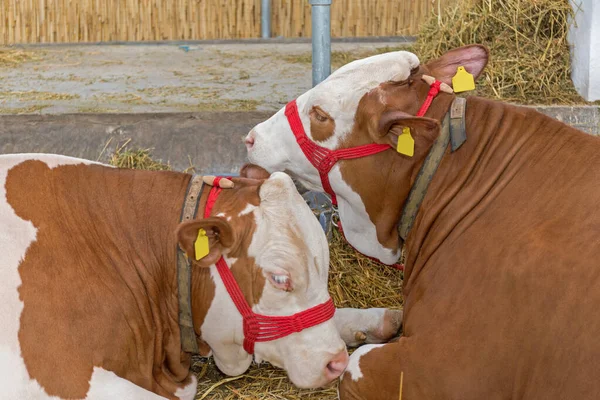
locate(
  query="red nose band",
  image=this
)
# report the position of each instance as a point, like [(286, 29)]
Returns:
[(257, 327)]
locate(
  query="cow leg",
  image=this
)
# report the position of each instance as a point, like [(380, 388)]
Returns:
[(373, 373), (372, 325)]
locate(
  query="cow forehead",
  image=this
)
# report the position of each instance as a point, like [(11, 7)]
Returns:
[(342, 91), (340, 94), (286, 222)]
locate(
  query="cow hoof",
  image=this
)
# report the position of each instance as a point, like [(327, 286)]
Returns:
[(388, 329), (370, 326)]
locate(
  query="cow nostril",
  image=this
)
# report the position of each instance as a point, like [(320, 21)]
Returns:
[(249, 140), (337, 365)]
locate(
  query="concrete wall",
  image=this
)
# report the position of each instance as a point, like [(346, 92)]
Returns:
[(211, 141), (584, 37)]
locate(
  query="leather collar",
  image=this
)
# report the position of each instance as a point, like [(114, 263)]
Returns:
[(453, 132), (189, 342)]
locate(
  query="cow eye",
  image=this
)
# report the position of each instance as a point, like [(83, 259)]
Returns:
[(320, 115), (280, 281)]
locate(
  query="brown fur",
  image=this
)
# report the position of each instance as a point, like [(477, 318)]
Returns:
[(99, 283), (502, 280), (321, 130)]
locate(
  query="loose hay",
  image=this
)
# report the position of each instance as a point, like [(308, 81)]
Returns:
[(529, 61), (13, 58), (354, 281), (124, 157), (34, 95)]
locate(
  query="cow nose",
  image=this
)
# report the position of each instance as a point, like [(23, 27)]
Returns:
[(250, 140), (336, 365)]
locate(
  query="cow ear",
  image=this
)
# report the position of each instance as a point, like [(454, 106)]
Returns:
[(219, 236), (253, 171), (473, 57), (424, 131)]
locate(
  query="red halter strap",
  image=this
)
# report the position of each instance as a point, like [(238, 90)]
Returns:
[(264, 328), (324, 159), (434, 90)]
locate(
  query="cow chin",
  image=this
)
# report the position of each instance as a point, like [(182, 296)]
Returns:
[(232, 361)]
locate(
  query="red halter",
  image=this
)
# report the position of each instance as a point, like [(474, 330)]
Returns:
[(324, 159), (264, 328)]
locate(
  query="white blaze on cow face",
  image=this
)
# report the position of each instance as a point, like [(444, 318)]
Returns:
[(272, 144), (288, 240)]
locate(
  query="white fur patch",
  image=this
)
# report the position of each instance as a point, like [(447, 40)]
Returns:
[(222, 328), (106, 385), (223, 215), (247, 210), (188, 392), (359, 230), (353, 367)]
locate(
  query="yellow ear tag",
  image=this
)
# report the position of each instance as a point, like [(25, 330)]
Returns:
[(406, 143), (201, 245), (463, 81)]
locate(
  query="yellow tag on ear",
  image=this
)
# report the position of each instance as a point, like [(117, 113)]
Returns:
[(201, 245), (406, 143), (463, 81)]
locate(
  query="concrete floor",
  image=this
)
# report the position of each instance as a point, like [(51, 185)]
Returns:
[(164, 78)]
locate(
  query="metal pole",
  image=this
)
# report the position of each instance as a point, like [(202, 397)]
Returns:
[(265, 19), (321, 40)]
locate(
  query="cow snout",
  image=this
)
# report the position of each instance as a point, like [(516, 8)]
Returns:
[(336, 365), (250, 140)]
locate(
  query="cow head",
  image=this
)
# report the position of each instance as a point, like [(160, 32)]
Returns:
[(367, 101), (278, 255)]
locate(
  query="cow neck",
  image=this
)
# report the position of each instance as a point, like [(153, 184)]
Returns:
[(453, 133), (257, 327), (324, 159)]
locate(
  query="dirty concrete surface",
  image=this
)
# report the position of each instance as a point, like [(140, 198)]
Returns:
[(140, 78)]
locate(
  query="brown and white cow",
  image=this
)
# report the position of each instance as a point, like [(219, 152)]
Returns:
[(88, 281), (502, 278)]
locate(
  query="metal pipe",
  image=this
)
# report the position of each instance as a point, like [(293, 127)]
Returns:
[(265, 19), (321, 40)]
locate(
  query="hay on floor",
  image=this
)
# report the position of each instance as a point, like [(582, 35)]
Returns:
[(14, 57), (354, 281), (529, 61)]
